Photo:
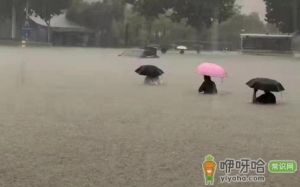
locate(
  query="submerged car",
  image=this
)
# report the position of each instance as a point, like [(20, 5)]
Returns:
[(145, 52)]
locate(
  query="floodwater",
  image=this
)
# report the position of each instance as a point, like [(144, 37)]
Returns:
[(81, 117)]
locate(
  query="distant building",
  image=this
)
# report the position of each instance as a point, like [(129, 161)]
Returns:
[(63, 31)]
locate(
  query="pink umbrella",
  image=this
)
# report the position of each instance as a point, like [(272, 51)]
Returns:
[(211, 69)]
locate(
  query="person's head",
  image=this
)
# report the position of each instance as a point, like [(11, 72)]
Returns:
[(207, 78), (267, 92)]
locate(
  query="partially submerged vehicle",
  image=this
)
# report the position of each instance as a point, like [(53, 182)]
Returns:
[(145, 52)]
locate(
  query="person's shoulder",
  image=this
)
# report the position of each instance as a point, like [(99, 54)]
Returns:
[(204, 83)]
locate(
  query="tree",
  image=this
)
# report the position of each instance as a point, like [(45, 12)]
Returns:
[(6, 7), (283, 14), (12, 10), (150, 10), (99, 16), (162, 27), (272, 29), (202, 13), (230, 30), (134, 27), (75, 11), (46, 9)]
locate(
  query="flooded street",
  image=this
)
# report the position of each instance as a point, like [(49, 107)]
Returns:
[(77, 117)]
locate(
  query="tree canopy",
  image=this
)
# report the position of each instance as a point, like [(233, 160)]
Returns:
[(230, 30), (46, 9), (201, 13), (6, 7), (198, 13), (97, 15), (282, 14), (150, 9)]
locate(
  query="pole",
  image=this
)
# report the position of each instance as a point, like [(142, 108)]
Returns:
[(27, 9), (295, 16), (13, 22), (295, 25)]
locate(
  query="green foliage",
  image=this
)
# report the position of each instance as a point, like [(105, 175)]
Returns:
[(75, 11), (6, 7), (46, 9), (230, 30), (104, 17), (281, 13), (150, 9), (98, 15), (201, 13)]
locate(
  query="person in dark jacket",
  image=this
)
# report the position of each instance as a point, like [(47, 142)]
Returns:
[(266, 98), (208, 86)]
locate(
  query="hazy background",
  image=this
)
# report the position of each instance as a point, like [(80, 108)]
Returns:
[(249, 6)]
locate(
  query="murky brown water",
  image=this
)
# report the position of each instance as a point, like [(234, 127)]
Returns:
[(82, 117)]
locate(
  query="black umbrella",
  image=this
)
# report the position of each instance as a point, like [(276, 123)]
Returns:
[(149, 70), (265, 84)]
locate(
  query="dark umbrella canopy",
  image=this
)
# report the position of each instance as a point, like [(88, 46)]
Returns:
[(265, 84), (149, 70)]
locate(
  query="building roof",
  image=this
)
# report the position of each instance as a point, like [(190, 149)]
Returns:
[(60, 23), (267, 35)]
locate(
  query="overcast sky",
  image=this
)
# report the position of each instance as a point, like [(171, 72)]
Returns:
[(249, 6)]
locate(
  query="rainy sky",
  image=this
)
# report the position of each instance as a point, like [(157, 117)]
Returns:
[(249, 6), (253, 6)]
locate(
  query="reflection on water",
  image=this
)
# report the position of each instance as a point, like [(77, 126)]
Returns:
[(23, 67)]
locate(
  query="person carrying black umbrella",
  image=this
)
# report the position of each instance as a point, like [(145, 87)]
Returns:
[(267, 85), (152, 74), (266, 98), (152, 80)]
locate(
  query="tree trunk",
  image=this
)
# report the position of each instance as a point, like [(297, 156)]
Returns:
[(48, 32), (97, 38), (156, 36), (13, 22), (137, 31), (295, 15), (149, 22), (126, 34)]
